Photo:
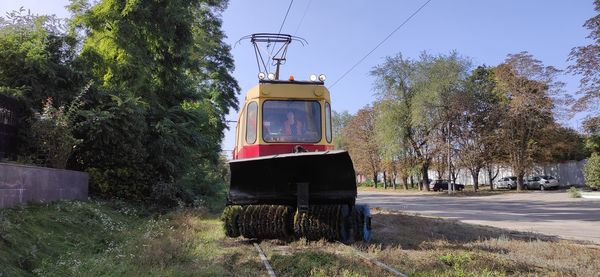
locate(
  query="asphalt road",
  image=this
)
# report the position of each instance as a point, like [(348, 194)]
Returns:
[(551, 213)]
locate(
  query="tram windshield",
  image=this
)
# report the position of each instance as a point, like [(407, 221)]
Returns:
[(291, 121)]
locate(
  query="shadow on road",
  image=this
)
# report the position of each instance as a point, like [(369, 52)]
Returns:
[(393, 229)]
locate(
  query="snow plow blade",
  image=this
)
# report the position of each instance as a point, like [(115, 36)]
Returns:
[(322, 177)]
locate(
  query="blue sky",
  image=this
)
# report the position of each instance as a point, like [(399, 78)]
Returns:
[(339, 33)]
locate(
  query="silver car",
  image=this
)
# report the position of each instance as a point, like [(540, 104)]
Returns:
[(541, 182), (506, 183)]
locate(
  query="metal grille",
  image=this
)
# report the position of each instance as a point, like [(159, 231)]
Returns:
[(8, 125)]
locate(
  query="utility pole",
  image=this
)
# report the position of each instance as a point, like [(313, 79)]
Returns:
[(450, 184)]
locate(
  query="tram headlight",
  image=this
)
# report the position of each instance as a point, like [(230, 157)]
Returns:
[(313, 78), (261, 76), (322, 77), (271, 76)]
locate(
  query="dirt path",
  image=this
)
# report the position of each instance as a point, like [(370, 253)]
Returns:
[(551, 213)]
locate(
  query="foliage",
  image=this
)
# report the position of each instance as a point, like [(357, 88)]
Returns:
[(561, 144), (526, 86), (37, 59), (476, 131), (155, 119), (339, 122), (52, 134), (37, 64), (574, 192), (151, 124), (419, 98), (592, 127), (591, 171), (457, 261), (364, 149), (586, 60)]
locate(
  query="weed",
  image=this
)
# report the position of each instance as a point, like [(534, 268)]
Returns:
[(574, 192), (456, 261)]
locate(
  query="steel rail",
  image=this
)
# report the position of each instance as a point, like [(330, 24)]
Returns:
[(375, 261), (264, 260)]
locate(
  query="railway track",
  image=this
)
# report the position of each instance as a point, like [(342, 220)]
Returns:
[(362, 255)]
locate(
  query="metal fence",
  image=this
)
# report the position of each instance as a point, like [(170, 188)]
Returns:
[(8, 125)]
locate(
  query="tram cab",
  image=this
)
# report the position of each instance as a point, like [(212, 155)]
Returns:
[(281, 117)]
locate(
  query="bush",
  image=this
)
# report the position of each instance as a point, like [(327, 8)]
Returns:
[(574, 193), (591, 171)]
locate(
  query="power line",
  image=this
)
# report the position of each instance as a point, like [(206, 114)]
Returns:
[(302, 19), (281, 27), (380, 43), (286, 14)]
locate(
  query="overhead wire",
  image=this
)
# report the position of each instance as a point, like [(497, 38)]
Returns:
[(282, 24), (302, 18), (286, 15), (380, 43)]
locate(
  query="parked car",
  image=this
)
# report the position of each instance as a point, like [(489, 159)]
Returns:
[(541, 182), (439, 185), (506, 183)]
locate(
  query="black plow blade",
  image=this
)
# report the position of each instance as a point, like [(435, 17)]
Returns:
[(275, 179)]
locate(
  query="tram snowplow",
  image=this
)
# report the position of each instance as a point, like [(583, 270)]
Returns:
[(287, 181)]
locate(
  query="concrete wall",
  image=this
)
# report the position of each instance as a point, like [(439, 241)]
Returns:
[(24, 184), (568, 173)]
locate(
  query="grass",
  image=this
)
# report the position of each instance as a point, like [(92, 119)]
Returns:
[(114, 239), (321, 258), (424, 246), (101, 238)]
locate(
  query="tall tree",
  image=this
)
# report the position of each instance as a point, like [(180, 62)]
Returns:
[(36, 60), (162, 89), (477, 125), (421, 89), (37, 66), (362, 144), (587, 64), (394, 149), (527, 87)]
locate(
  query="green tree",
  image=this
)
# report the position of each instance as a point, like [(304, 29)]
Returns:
[(339, 122), (591, 171), (37, 64), (163, 88), (36, 58), (477, 126), (422, 89), (591, 127)]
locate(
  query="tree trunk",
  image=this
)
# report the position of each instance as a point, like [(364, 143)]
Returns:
[(475, 175), (412, 182), (520, 176), (375, 179), (491, 175), (425, 174), (385, 180), (405, 182)]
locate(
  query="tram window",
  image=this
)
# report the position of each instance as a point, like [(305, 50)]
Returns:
[(251, 115), (328, 122), (291, 121)]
